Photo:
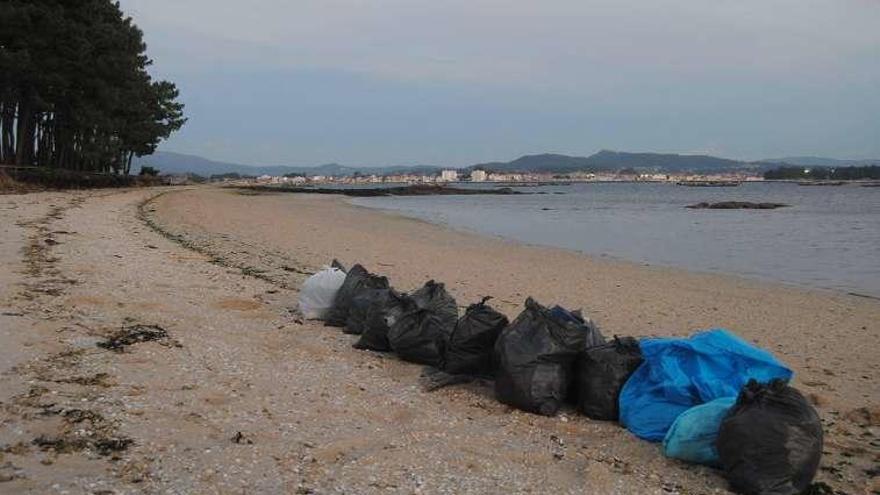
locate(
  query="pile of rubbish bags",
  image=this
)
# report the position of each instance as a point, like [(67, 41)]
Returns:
[(711, 399), (536, 355)]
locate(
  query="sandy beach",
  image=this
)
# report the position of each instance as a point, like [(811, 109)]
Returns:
[(242, 396)]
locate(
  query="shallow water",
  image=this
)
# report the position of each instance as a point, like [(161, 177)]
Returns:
[(828, 238)]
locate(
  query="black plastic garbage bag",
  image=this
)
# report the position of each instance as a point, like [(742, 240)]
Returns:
[(594, 337), (356, 279), (770, 443), (358, 310), (419, 334), (601, 373), (470, 348), (535, 356), (380, 316)]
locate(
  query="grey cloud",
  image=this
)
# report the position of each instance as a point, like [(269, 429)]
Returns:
[(746, 78)]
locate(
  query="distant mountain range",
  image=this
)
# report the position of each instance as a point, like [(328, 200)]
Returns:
[(603, 161), (615, 160), (178, 163)]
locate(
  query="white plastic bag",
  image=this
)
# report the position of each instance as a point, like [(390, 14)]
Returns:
[(318, 292)]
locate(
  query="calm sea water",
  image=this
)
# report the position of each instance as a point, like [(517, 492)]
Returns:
[(828, 238)]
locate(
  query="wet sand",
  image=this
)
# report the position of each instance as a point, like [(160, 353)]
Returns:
[(218, 271)]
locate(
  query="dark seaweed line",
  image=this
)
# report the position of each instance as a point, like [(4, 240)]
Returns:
[(214, 258)]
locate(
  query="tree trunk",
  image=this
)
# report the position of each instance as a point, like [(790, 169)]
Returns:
[(2, 132), (25, 134), (7, 134)]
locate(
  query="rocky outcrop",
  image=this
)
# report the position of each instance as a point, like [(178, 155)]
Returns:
[(737, 205), (412, 190)]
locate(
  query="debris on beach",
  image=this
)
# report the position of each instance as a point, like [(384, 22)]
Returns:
[(356, 279), (361, 304), (131, 335), (319, 291), (685, 392), (418, 334), (241, 438), (381, 313), (694, 434), (104, 446), (471, 345), (84, 430), (601, 372), (771, 441), (681, 373), (96, 380), (535, 355)]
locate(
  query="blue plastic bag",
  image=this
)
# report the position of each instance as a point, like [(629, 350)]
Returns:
[(693, 434), (681, 373)]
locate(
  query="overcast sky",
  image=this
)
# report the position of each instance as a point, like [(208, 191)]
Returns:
[(455, 82)]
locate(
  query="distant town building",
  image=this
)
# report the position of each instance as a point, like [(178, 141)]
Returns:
[(479, 176), (449, 175), (175, 179), (653, 177), (507, 177)]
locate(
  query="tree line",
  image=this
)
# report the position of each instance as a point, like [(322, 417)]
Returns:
[(75, 92), (823, 173)]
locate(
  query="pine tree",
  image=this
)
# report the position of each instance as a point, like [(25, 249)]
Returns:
[(75, 91)]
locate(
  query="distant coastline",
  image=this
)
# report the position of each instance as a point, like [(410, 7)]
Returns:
[(549, 163), (405, 190)]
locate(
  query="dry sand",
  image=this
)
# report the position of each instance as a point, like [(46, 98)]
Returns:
[(243, 397)]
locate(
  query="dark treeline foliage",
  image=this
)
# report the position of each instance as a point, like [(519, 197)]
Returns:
[(75, 93), (822, 173)]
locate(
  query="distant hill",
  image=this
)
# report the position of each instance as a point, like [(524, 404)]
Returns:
[(178, 163), (616, 160), (816, 161), (548, 162), (667, 162), (603, 161)]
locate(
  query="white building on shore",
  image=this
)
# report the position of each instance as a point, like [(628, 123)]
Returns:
[(449, 176), (479, 176)]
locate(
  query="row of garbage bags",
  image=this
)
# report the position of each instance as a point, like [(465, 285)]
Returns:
[(712, 399)]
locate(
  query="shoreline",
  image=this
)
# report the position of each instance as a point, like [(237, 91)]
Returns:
[(767, 281), (641, 274), (242, 393), (810, 329)]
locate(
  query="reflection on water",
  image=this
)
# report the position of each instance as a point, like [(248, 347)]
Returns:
[(828, 238)]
